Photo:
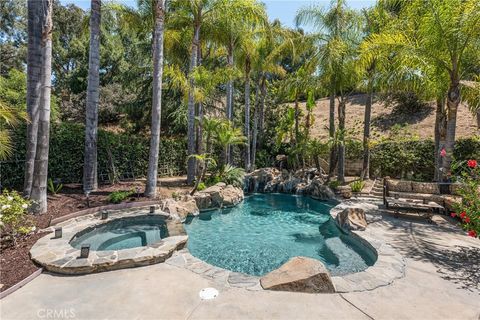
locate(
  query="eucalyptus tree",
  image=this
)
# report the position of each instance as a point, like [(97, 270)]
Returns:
[(39, 70), (158, 34), (337, 30), (93, 93), (444, 35)]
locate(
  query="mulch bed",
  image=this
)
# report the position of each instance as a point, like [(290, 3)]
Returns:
[(15, 260)]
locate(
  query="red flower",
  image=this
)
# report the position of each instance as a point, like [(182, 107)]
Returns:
[(453, 214), (472, 163), (467, 219), (443, 153), (472, 233), (463, 214)]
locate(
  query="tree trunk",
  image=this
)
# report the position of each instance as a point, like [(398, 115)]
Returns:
[(191, 106), (341, 145), (230, 89), (229, 111), (151, 185), (453, 100), (440, 132), (297, 115), (39, 186), (366, 135), (91, 111), (200, 111), (331, 133), (255, 123), (247, 114), (478, 119), (261, 113), (34, 73)]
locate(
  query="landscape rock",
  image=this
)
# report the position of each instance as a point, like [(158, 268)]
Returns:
[(352, 219), (299, 274), (304, 182), (344, 191), (181, 208), (218, 196)]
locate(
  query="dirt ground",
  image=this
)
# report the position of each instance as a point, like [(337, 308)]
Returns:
[(15, 261), (420, 123)]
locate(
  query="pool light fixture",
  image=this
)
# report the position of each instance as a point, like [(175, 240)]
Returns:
[(152, 209), (104, 214), (58, 232), (84, 251)]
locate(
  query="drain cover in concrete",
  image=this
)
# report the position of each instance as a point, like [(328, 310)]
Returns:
[(208, 293)]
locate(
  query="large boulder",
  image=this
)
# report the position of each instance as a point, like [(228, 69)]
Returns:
[(352, 219), (218, 196), (180, 208), (320, 191), (344, 191), (299, 274), (258, 179)]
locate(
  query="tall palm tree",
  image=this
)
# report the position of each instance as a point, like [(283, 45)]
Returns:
[(443, 35), (227, 135), (159, 13), (40, 170), (192, 14), (93, 93), (34, 74), (337, 29)]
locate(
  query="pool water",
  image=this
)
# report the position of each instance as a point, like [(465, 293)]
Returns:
[(123, 234), (266, 230)]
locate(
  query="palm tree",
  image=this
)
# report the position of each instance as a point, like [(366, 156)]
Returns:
[(443, 35), (93, 92), (337, 32), (210, 127), (202, 160), (227, 135), (43, 16), (34, 74), (159, 13), (9, 118)]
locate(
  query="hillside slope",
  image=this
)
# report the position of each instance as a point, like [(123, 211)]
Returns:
[(420, 123)]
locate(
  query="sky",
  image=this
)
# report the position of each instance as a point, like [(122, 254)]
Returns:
[(284, 10)]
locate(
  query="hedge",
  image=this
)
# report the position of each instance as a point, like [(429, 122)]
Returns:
[(129, 155)]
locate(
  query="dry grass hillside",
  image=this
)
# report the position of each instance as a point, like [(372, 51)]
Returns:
[(420, 123)]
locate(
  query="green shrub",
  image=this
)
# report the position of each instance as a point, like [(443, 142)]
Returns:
[(54, 188), (232, 175), (357, 185), (14, 218), (201, 186), (119, 196), (334, 184), (129, 155)]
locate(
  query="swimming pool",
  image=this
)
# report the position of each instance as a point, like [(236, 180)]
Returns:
[(266, 230)]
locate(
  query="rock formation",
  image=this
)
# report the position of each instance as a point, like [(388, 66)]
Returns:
[(352, 219), (218, 196)]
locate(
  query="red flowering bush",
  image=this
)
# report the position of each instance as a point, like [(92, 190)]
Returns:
[(469, 209)]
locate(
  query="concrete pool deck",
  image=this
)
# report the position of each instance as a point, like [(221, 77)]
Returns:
[(442, 281)]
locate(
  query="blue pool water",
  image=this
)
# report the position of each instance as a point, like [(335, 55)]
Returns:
[(266, 230), (123, 234)]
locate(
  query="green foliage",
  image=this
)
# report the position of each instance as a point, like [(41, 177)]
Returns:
[(334, 184), (14, 217), (201, 186), (357, 185), (232, 175), (129, 153), (119, 196), (468, 210), (54, 188)]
